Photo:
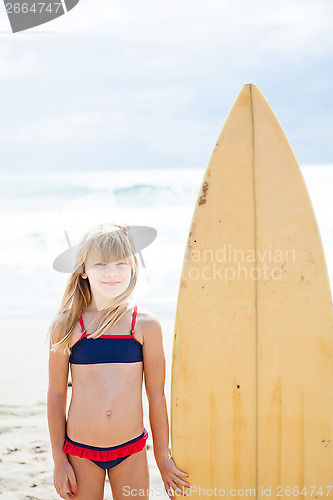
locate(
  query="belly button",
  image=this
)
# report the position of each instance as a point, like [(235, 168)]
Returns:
[(108, 413)]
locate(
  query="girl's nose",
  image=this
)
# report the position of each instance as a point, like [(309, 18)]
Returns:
[(111, 269)]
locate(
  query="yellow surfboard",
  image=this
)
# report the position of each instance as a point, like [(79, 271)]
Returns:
[(252, 373)]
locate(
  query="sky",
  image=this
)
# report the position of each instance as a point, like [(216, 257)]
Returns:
[(127, 84)]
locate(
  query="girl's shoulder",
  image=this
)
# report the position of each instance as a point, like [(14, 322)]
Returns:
[(146, 317), (147, 325)]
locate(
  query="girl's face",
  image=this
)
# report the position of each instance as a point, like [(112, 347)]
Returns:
[(107, 280)]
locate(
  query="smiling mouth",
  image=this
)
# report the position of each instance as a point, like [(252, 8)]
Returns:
[(111, 283)]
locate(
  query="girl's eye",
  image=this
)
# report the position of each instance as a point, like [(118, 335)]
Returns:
[(99, 264), (119, 263)]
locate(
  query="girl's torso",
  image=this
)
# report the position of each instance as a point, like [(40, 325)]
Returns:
[(106, 404)]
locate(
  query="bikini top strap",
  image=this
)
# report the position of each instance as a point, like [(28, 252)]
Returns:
[(82, 324), (134, 318)]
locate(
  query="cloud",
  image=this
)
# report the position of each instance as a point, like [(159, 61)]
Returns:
[(69, 128), (16, 65), (302, 27), (197, 25), (163, 75), (129, 113)]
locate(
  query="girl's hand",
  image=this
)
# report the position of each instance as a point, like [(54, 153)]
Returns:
[(64, 479), (171, 477)]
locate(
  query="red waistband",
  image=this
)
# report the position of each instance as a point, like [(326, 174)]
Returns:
[(104, 455)]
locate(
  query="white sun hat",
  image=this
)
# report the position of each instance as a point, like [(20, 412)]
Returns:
[(141, 236), (97, 209)]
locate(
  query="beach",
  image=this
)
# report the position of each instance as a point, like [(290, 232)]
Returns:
[(35, 211), (26, 462), (26, 465)]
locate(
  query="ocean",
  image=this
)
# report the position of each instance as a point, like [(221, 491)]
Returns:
[(36, 210)]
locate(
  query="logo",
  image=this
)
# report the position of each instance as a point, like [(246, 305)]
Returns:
[(28, 14)]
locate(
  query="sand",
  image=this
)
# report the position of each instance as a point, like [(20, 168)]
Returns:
[(26, 466)]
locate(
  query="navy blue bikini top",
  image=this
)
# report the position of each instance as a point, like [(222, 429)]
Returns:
[(106, 348)]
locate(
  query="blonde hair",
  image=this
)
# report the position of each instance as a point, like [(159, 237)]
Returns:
[(111, 243)]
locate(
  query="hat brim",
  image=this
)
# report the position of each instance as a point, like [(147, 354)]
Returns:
[(142, 236)]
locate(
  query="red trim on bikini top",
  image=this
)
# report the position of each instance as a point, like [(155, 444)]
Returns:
[(134, 318), (82, 324), (113, 336)]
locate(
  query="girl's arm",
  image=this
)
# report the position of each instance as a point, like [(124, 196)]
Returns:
[(64, 478), (154, 370)]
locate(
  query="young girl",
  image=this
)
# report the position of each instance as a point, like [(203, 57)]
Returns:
[(107, 342)]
